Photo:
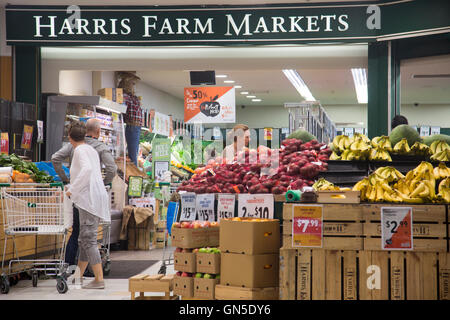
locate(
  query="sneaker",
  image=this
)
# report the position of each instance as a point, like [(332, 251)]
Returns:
[(94, 285)]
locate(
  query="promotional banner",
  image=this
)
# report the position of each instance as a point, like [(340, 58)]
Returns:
[(160, 158), (4, 143), (307, 225), (40, 127), (209, 105), (161, 124), (396, 228), (268, 134), (26, 137)]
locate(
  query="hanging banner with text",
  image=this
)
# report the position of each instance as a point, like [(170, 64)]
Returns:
[(256, 206), (209, 105), (27, 137), (160, 158), (225, 206), (396, 228), (205, 207), (307, 226), (188, 206)]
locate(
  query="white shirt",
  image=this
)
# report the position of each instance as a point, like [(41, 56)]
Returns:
[(86, 183)]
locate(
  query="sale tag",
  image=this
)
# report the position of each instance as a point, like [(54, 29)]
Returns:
[(148, 202), (26, 137), (205, 207), (396, 228), (256, 206), (307, 225), (4, 147), (188, 204), (225, 206)]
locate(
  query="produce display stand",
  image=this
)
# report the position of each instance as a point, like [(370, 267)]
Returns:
[(142, 283), (351, 264)]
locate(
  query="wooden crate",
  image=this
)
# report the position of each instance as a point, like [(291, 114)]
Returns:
[(142, 283), (338, 196), (224, 292), (317, 274), (342, 226), (430, 227)]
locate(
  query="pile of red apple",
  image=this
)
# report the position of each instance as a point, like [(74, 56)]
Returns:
[(195, 224), (251, 171), (198, 275)]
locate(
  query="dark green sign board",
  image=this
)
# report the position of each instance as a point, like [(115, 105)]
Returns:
[(222, 25)]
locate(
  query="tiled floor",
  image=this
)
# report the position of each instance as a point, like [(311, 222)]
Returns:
[(115, 289)]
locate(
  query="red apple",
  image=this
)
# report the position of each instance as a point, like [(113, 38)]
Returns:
[(176, 225), (186, 224), (185, 274), (206, 224), (179, 273), (196, 225), (178, 250)]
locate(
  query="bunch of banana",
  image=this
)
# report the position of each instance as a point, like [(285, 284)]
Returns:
[(424, 171), (341, 142), (441, 171), (443, 155), (324, 185), (389, 174), (379, 155), (334, 156), (420, 149), (360, 136), (444, 184), (353, 155), (382, 142), (402, 147), (439, 146), (362, 186), (381, 192), (444, 195)]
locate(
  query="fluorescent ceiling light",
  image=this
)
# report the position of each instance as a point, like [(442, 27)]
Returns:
[(256, 100), (221, 75), (229, 81), (360, 80), (251, 97), (238, 87), (244, 92), (298, 84)]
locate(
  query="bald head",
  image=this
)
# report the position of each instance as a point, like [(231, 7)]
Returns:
[(93, 128)]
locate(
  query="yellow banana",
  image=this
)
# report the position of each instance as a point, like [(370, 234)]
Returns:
[(417, 190)]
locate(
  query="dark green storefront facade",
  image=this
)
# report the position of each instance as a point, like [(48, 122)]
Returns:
[(394, 30)]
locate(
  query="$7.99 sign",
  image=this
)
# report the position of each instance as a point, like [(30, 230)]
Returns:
[(307, 225), (256, 206)]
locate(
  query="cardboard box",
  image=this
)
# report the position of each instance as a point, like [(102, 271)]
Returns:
[(119, 95), (213, 236), (183, 286), (113, 94), (184, 261), (250, 237), (238, 293), (250, 271), (205, 288), (208, 263), (190, 238)]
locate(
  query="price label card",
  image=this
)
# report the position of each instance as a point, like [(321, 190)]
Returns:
[(205, 207), (161, 167), (188, 204), (225, 206), (256, 206), (348, 132), (396, 228), (147, 202), (435, 130), (307, 225), (4, 143), (424, 131), (27, 137), (359, 130)]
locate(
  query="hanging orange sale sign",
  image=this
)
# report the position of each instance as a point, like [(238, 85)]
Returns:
[(209, 105)]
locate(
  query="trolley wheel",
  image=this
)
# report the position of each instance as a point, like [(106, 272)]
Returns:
[(107, 268), (4, 285), (34, 279), (62, 286)]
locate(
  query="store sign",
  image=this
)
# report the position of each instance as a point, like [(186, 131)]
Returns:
[(396, 228), (135, 186), (188, 206), (307, 226), (160, 158), (262, 24), (4, 143), (205, 207), (27, 137), (225, 206), (209, 105), (161, 124), (256, 206)]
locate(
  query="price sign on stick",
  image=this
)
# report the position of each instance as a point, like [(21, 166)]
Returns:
[(396, 228), (188, 206), (225, 206), (205, 207), (256, 206), (307, 225)]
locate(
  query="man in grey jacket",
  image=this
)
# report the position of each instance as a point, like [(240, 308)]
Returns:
[(106, 159)]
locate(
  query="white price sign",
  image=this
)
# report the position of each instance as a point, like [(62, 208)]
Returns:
[(144, 203), (424, 131), (205, 207), (225, 206), (256, 206), (435, 130), (396, 228), (188, 203)]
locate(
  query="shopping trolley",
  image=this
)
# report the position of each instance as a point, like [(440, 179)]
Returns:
[(106, 239), (34, 209)]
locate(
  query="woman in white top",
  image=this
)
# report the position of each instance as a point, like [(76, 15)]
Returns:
[(88, 194)]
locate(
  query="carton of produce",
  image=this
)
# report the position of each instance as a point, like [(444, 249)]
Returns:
[(208, 260), (205, 287), (183, 284), (184, 260)]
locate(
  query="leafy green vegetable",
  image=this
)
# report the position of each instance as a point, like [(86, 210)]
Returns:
[(25, 167)]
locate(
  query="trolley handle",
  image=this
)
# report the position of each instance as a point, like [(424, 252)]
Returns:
[(53, 184)]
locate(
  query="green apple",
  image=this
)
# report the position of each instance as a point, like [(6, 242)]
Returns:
[(209, 250), (208, 276), (202, 250), (199, 275), (216, 250), (218, 276)]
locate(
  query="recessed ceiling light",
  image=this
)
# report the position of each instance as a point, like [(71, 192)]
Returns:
[(221, 75), (360, 81), (244, 92), (256, 100), (238, 87), (298, 84), (251, 97), (229, 81)]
